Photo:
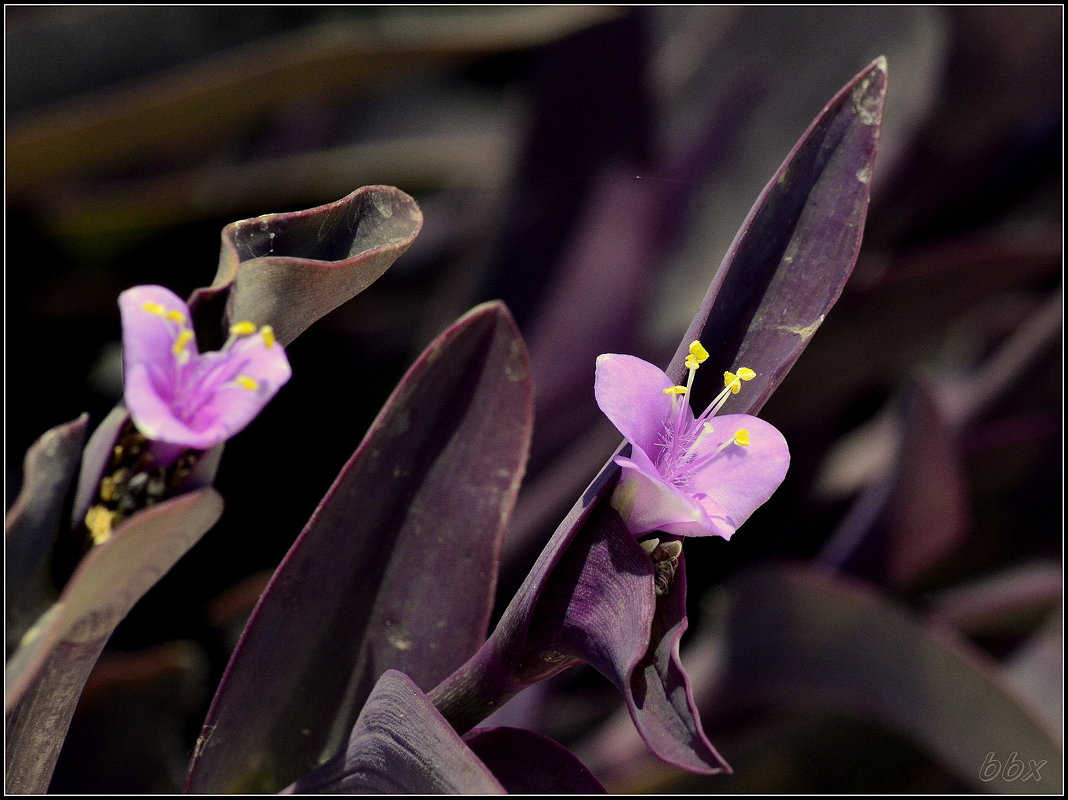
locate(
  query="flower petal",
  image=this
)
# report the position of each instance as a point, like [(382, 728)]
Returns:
[(649, 503), (147, 338), (630, 392), (153, 416), (741, 479)]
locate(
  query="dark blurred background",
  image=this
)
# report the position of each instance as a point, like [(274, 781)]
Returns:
[(589, 166)]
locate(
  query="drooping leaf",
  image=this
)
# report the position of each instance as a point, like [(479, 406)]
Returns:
[(799, 637), (35, 520), (400, 744), (45, 676), (288, 270), (510, 752), (395, 570)]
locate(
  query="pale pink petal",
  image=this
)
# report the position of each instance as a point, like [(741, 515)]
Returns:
[(647, 502), (630, 392), (147, 338), (741, 479)]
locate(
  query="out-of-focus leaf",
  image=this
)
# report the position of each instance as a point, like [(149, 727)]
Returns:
[(901, 526), (792, 256), (288, 270), (510, 753), (126, 735), (1037, 667), (997, 603), (191, 106), (364, 588), (400, 744), (800, 638), (33, 523), (45, 676)]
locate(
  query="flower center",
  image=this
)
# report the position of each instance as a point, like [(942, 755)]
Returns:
[(680, 455), (193, 382)]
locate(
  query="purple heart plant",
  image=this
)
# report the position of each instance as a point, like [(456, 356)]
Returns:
[(366, 664)]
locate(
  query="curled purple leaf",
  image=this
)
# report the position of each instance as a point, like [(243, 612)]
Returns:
[(288, 270)]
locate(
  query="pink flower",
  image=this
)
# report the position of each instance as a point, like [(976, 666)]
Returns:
[(686, 475), (178, 396)]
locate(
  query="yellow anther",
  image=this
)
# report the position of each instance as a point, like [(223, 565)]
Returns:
[(242, 328), (174, 315), (99, 521), (183, 339), (732, 382), (746, 374), (675, 390), (698, 355), (245, 382), (741, 437), (267, 332), (154, 308)]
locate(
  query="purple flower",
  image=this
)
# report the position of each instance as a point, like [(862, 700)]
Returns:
[(184, 398), (686, 475)]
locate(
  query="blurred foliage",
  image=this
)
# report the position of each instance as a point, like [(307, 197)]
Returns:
[(135, 134)]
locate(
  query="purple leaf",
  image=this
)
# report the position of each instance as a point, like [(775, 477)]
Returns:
[(510, 752), (45, 676), (596, 603), (365, 587), (288, 270), (800, 637), (784, 271), (400, 744), (35, 521), (792, 256)]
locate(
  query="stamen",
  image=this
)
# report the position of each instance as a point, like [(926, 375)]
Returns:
[(649, 545), (242, 328), (676, 390), (740, 438), (178, 348), (154, 308), (706, 429), (267, 332), (245, 382), (174, 315)]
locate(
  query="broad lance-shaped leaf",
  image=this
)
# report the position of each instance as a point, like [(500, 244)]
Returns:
[(288, 270), (797, 247), (36, 519), (395, 570), (400, 744), (781, 275), (65, 643), (800, 636)]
